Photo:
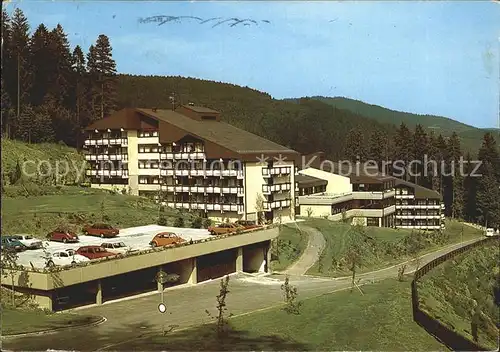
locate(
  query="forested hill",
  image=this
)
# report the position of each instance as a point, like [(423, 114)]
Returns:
[(307, 125), (471, 137)]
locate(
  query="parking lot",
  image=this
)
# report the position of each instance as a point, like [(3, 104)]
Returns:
[(134, 237)]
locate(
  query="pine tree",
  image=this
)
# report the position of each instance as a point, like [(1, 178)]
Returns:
[(454, 197), (18, 81), (403, 147), (41, 61), (355, 146), (25, 124), (102, 72), (378, 147), (7, 70), (79, 92), (442, 162), (420, 149), (7, 111), (470, 193), (489, 153), (61, 60), (488, 197)]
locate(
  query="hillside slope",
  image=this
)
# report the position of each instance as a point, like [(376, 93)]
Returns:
[(470, 136), (306, 126)]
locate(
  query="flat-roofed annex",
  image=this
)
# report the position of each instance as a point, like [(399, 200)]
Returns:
[(222, 139)]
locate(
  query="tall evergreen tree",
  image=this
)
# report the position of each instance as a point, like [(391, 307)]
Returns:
[(488, 197), (41, 63), (79, 93), (442, 162), (7, 70), (378, 147), (355, 146), (454, 197), (61, 60), (489, 153), (470, 192), (102, 71), (420, 149), (18, 81), (403, 147)]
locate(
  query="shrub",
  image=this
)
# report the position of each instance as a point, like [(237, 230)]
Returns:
[(162, 220), (207, 223), (197, 223), (179, 222)]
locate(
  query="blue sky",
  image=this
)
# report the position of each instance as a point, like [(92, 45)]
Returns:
[(426, 57)]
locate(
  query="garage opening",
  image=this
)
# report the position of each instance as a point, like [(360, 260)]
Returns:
[(74, 296), (216, 265), (129, 284), (254, 258)]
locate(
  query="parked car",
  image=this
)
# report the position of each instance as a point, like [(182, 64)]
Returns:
[(94, 252), (490, 232), (29, 241), (223, 229), (102, 230), (67, 257), (165, 239), (10, 243), (247, 224), (62, 235), (117, 247)]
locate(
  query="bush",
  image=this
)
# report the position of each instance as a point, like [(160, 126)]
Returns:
[(197, 223), (207, 223), (162, 220), (179, 222)]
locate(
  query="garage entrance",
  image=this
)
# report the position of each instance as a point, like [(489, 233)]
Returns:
[(216, 265), (254, 258), (129, 284)]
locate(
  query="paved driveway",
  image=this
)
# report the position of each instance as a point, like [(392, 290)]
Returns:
[(186, 307)]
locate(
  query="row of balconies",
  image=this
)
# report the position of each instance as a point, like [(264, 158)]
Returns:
[(122, 173), (207, 206), (268, 189), (99, 157), (183, 156), (421, 227), (420, 206), (409, 216), (204, 173), (203, 189), (107, 141), (273, 171), (277, 204)]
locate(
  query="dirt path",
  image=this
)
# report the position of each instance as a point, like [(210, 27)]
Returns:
[(311, 254)]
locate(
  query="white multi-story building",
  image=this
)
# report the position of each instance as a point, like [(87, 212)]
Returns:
[(189, 159)]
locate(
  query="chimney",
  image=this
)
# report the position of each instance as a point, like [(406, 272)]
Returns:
[(154, 109)]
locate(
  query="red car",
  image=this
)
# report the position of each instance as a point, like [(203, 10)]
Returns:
[(101, 230), (247, 224), (61, 235), (94, 252)]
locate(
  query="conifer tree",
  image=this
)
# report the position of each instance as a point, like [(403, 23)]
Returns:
[(378, 148), (102, 71), (420, 149), (355, 146), (41, 63), (403, 147), (488, 197), (470, 192), (60, 66), (7, 68), (454, 197), (79, 92)]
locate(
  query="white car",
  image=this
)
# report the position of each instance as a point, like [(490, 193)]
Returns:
[(489, 232), (29, 241), (117, 247), (67, 257)]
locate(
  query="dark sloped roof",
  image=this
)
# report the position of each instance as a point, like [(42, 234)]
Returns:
[(221, 133), (420, 191), (309, 181)]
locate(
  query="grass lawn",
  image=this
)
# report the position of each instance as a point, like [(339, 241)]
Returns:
[(381, 319), (288, 247), (384, 247), (76, 206), (451, 291), (19, 321)]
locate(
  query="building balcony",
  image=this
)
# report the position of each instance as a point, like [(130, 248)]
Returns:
[(374, 195), (268, 189), (277, 204), (202, 173), (99, 157), (203, 189), (148, 172), (400, 216), (148, 156), (108, 173), (418, 206), (148, 140), (404, 196), (183, 156), (207, 206), (149, 186), (419, 227), (106, 141)]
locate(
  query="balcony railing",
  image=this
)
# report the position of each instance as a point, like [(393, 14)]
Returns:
[(99, 157), (207, 206), (277, 204), (106, 141), (418, 206), (202, 173), (109, 173), (203, 189), (268, 189), (183, 156)]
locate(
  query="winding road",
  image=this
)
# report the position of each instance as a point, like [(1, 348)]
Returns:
[(130, 319), (309, 257)]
